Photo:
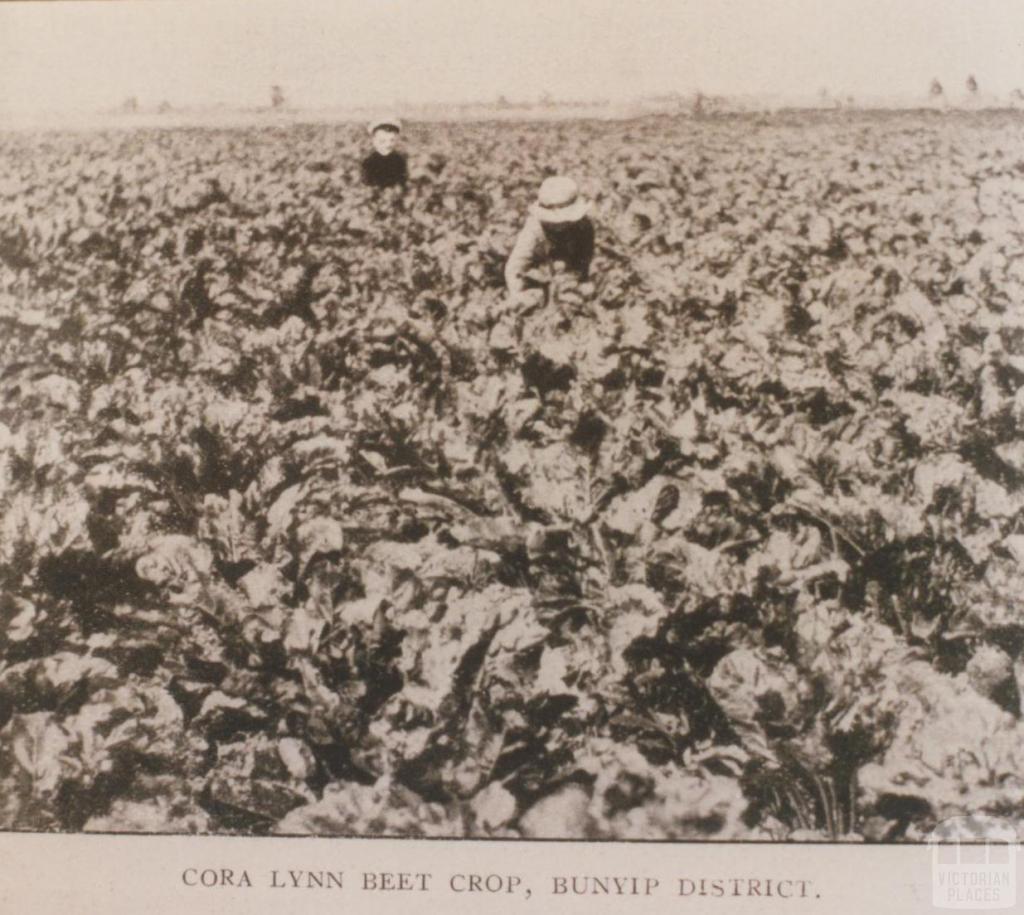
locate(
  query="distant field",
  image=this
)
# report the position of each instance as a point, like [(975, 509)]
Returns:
[(728, 546), (714, 108)]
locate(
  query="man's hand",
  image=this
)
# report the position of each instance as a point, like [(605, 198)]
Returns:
[(524, 300)]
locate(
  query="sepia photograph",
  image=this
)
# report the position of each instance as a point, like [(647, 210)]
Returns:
[(514, 421)]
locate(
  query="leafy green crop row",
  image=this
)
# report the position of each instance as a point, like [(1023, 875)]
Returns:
[(303, 529)]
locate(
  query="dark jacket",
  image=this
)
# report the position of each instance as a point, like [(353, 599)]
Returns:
[(384, 171)]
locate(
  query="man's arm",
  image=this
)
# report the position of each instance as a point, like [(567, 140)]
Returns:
[(403, 170), (584, 252), (524, 255), (366, 171)]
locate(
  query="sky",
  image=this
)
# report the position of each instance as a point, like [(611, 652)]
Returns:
[(90, 54)]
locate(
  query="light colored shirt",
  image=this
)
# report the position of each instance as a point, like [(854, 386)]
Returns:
[(572, 244)]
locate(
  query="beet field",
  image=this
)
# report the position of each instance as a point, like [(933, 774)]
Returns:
[(306, 529)]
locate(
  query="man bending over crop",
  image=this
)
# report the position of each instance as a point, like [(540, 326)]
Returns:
[(385, 167), (557, 229)]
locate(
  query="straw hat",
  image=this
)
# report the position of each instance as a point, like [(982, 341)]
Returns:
[(559, 200), (648, 179), (394, 123)]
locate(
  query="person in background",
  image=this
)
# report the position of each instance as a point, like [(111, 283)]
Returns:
[(557, 229), (385, 167)]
